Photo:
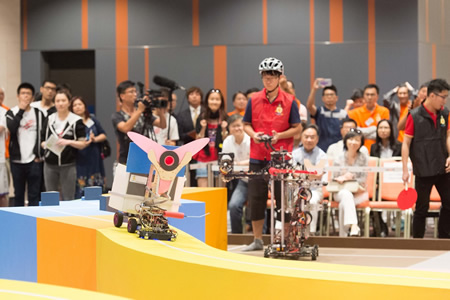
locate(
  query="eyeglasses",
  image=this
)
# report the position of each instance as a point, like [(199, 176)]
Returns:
[(214, 91), (131, 92), (49, 88), (329, 94), (356, 130), (443, 97)]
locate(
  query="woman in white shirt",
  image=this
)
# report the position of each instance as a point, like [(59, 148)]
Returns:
[(64, 135)]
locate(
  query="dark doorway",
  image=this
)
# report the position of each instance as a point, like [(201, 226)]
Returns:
[(75, 68)]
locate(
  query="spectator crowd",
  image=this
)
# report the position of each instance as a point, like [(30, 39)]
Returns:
[(50, 141)]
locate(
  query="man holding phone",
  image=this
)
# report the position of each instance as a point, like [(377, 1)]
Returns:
[(328, 117)]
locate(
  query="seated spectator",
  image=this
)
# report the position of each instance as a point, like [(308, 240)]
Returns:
[(328, 117), (368, 115), (238, 142), (400, 109), (310, 151), (355, 101), (386, 145), (212, 123), (239, 103), (352, 156), (336, 149)]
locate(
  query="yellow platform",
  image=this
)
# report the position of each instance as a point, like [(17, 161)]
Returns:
[(188, 268), (12, 290)]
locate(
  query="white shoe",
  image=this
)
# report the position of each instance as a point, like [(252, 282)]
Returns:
[(355, 230)]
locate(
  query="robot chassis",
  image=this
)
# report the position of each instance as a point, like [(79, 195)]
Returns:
[(295, 194), (150, 222)]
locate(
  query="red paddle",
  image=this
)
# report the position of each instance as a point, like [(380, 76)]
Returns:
[(407, 198)]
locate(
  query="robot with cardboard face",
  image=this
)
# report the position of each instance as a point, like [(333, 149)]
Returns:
[(148, 199)]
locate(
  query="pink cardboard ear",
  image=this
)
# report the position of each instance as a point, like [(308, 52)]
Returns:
[(146, 144), (192, 147)]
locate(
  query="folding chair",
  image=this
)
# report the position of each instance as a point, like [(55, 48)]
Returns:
[(389, 187)]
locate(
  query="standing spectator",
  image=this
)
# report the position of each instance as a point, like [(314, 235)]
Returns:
[(47, 103), (368, 115), (400, 109), (212, 123), (336, 149), (310, 151), (239, 103), (328, 117), (64, 134), (289, 87), (238, 142), (250, 92), (90, 168), (163, 135), (7, 137), (25, 124), (273, 112), (4, 176), (427, 143), (421, 96), (187, 119), (130, 118), (348, 221), (355, 101)]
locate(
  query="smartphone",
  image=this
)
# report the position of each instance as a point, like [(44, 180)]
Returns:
[(325, 82)]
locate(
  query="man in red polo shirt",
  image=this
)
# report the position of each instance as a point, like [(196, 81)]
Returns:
[(427, 143), (273, 112)]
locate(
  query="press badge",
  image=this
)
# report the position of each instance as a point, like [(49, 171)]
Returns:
[(442, 121), (369, 122)]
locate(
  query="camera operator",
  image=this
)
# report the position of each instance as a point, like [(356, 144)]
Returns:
[(134, 118)]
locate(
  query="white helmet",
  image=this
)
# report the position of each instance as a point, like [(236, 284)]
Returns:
[(271, 64)]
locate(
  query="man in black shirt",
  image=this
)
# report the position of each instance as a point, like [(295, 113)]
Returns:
[(131, 118)]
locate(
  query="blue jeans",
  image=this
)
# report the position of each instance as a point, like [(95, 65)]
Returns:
[(236, 205), (23, 174)]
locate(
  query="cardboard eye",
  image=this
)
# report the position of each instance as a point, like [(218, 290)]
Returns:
[(169, 161)]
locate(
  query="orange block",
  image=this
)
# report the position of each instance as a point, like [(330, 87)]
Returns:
[(215, 200), (66, 254)]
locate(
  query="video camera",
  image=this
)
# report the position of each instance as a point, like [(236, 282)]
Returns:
[(152, 98)]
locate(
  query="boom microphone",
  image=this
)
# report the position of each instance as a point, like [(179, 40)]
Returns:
[(165, 82)]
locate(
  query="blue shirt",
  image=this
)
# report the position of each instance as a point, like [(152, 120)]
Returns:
[(329, 123)]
